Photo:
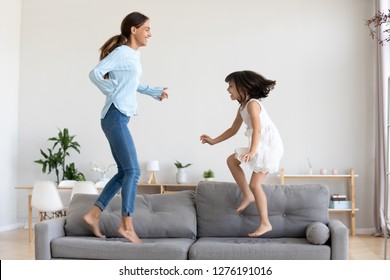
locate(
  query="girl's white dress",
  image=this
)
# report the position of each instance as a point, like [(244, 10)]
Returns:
[(270, 149)]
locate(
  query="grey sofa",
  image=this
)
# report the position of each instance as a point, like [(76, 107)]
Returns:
[(202, 224)]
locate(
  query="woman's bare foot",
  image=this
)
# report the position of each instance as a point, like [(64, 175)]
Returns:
[(261, 230), (245, 203), (93, 224), (126, 230)]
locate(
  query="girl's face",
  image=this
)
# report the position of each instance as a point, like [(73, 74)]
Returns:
[(234, 95), (141, 35)]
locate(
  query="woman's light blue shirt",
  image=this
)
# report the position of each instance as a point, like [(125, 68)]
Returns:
[(124, 67)]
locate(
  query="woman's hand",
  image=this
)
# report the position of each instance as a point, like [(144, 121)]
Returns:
[(164, 94)]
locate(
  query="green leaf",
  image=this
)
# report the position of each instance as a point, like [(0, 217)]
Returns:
[(55, 158), (43, 154), (178, 164)]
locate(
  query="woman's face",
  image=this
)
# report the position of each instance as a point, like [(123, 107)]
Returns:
[(140, 35), (234, 95)]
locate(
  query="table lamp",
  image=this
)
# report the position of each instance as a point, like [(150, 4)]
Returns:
[(153, 166)]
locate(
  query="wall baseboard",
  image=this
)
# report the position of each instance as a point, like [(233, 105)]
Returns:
[(365, 231), (10, 227)]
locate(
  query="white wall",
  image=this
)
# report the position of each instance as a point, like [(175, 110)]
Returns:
[(9, 81), (318, 51)]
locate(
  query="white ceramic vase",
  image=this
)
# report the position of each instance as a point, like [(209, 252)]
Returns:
[(181, 176)]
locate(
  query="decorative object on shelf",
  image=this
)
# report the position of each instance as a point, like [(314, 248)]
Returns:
[(340, 205), (153, 166), (323, 171), (55, 160), (102, 170), (335, 171), (338, 197), (339, 201), (310, 166), (181, 176), (208, 175)]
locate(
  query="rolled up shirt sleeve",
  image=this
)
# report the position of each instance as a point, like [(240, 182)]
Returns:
[(154, 92), (106, 86)]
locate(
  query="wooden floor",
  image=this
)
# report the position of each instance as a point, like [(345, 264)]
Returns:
[(14, 245)]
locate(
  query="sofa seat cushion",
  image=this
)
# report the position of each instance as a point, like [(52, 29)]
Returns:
[(73, 247), (155, 215), (246, 248), (291, 208)]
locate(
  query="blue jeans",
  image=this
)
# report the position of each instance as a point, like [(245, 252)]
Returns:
[(123, 150)]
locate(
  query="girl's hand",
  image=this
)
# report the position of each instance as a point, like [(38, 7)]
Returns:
[(164, 94), (206, 139), (246, 157)]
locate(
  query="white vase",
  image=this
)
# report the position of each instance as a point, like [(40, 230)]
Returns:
[(209, 179), (181, 176)]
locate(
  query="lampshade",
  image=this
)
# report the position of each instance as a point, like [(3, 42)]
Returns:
[(153, 165)]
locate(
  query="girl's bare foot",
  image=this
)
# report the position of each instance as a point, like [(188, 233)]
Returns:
[(245, 203), (261, 230), (93, 224), (126, 230)]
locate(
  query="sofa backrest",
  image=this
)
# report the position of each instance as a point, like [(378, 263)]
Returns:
[(155, 216), (291, 208)]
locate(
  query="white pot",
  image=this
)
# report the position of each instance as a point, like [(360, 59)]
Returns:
[(209, 179), (181, 176)]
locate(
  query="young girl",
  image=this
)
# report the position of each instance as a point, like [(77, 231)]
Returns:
[(117, 76), (265, 145)]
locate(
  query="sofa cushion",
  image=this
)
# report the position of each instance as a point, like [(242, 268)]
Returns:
[(291, 208), (246, 248), (82, 247), (155, 215), (317, 233)]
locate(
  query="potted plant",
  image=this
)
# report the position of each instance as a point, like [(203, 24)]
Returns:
[(55, 160), (208, 175), (181, 176)]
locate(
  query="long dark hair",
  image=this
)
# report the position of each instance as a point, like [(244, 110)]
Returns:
[(135, 19), (250, 84)]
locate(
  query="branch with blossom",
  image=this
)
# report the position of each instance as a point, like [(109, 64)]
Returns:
[(102, 170), (376, 21), (309, 163)]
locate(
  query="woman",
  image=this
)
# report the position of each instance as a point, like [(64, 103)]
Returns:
[(117, 76)]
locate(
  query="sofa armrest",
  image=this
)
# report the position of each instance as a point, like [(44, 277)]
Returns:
[(45, 232), (338, 239)]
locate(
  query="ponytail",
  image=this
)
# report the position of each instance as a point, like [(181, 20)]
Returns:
[(111, 44), (134, 19)]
